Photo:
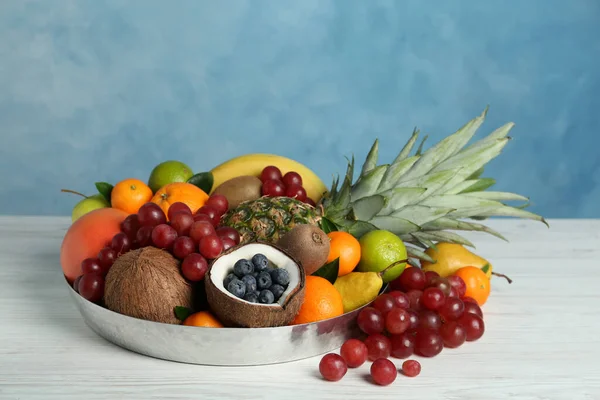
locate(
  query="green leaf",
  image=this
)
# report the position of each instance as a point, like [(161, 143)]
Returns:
[(445, 223), (477, 173), (476, 185), (420, 148), (421, 214), (404, 153), (360, 228), (400, 197), (368, 207), (416, 253), (181, 313), (371, 160), (327, 225), (203, 180), (398, 226), (443, 236), (432, 182), (499, 133), (485, 268), (329, 271), (395, 171), (367, 184), (498, 196), (105, 189)]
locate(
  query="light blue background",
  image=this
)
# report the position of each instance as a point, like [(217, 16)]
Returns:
[(104, 90)]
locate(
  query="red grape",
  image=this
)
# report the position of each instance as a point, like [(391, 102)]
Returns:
[(383, 372), (354, 352), (458, 284), (453, 292), (428, 343), (433, 298), (91, 287), (412, 279), (203, 217), (430, 320), (468, 299), (473, 325), (400, 299), (227, 243), (453, 334), (130, 226), (414, 296), (403, 346), (411, 368), (452, 309), (150, 214), (397, 321), (292, 178), (270, 172), (273, 188), (194, 267), (429, 276), (91, 266), (143, 236), (210, 246), (183, 246), (120, 243), (384, 303), (176, 207), (211, 212), (378, 346), (473, 308), (370, 320), (296, 192), (106, 257), (200, 229), (333, 367), (414, 320), (442, 284), (219, 203), (231, 233), (76, 283), (182, 222), (163, 236), (310, 201)]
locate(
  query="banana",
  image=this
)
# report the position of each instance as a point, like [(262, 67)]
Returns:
[(253, 164)]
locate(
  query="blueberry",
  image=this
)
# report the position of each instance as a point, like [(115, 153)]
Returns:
[(251, 297), (280, 276), (263, 281), (277, 290), (228, 279), (250, 283), (242, 267), (237, 288), (266, 297), (260, 262)]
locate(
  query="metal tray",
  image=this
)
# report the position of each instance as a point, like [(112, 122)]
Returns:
[(218, 346)]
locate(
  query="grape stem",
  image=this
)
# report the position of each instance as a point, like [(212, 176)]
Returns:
[(503, 276), (74, 192), (391, 266)]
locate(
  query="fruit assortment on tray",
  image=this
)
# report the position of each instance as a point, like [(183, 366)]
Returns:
[(260, 241)]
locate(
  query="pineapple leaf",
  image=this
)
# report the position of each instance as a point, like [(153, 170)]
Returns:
[(426, 243), (499, 133), (497, 196), (400, 197), (420, 148), (458, 202), (371, 160), (395, 172), (476, 174), (445, 148), (359, 228), (418, 254), (419, 214), (445, 223), (508, 211), (474, 185), (367, 184), (395, 225), (327, 225), (445, 236), (405, 152), (431, 182), (368, 207)]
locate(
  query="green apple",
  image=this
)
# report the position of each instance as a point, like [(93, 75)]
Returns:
[(88, 204)]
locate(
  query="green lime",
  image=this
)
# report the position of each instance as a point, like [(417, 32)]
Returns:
[(379, 249), (88, 204), (168, 172)]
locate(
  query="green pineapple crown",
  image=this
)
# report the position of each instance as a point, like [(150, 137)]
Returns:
[(424, 196)]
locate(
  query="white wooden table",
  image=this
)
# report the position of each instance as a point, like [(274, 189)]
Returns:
[(542, 338)]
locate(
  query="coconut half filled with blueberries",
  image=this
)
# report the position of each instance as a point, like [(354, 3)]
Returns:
[(255, 285)]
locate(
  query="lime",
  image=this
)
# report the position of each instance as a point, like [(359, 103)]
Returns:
[(168, 172), (88, 204), (379, 249)]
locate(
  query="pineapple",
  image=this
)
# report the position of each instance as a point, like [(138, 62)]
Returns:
[(421, 197)]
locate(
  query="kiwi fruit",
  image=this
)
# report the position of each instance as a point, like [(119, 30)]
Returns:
[(308, 244), (240, 189), (146, 284)]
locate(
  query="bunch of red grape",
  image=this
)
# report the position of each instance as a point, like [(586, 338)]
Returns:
[(192, 238), (422, 314), (289, 185)]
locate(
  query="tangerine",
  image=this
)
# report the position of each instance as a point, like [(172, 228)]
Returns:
[(183, 192), (321, 301), (477, 282), (130, 194), (345, 247), (203, 319)]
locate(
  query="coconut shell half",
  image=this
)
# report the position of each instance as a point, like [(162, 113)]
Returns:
[(235, 312)]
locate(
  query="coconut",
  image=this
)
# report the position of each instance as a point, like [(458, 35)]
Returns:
[(146, 284), (235, 312)]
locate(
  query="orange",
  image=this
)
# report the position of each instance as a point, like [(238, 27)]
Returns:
[(347, 248), (478, 284), (129, 195), (204, 319), (87, 236), (321, 301), (191, 195)]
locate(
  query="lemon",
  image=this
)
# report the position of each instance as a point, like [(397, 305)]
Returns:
[(379, 249), (168, 172)]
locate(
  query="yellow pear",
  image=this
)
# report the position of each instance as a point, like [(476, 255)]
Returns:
[(450, 257)]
